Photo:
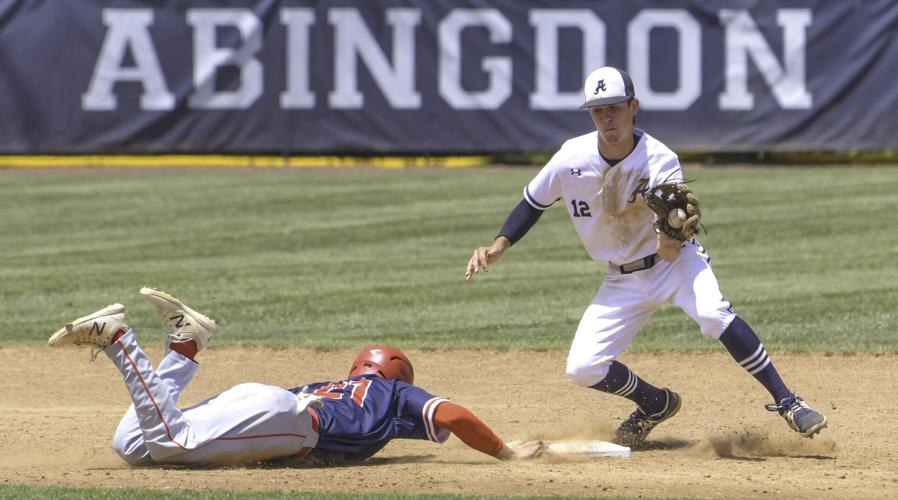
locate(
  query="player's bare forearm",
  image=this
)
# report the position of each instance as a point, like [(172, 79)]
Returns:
[(668, 248), (467, 427), (477, 435), (485, 256)]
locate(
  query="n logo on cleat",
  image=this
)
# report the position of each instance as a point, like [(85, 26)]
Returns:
[(180, 321), (96, 329)]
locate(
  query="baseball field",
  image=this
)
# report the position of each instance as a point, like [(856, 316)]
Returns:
[(304, 267)]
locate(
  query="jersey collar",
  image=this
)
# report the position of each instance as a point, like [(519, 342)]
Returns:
[(638, 135)]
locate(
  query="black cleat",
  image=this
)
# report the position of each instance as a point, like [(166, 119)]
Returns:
[(800, 417), (634, 430)]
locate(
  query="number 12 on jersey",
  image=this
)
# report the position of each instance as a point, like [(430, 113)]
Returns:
[(580, 208)]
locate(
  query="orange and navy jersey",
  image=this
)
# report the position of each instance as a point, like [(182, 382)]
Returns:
[(361, 415)]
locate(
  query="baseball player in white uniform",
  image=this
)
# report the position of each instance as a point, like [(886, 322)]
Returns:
[(601, 179)]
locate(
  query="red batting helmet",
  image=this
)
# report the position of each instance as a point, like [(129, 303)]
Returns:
[(383, 361)]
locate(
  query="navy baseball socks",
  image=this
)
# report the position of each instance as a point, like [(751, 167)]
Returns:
[(746, 348), (620, 381), (654, 405)]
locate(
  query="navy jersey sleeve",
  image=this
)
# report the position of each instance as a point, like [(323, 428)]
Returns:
[(418, 406), (522, 218)]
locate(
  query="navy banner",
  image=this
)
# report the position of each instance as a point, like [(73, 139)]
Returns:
[(439, 76)]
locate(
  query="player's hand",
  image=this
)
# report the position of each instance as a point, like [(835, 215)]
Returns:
[(668, 248), (485, 256), (519, 450)]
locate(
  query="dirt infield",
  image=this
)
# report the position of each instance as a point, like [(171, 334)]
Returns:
[(59, 414)]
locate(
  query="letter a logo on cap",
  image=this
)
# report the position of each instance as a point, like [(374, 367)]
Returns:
[(607, 85)]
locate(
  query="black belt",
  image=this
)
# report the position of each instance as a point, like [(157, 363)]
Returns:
[(639, 265)]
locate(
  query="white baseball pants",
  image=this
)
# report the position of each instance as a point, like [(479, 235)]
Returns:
[(626, 302), (246, 423)]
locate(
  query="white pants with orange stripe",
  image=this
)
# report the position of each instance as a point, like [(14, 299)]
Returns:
[(626, 302), (246, 423)]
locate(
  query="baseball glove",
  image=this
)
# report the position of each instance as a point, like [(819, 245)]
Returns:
[(677, 210)]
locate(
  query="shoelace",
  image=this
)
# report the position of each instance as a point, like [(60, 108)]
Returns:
[(641, 420), (175, 328), (94, 350), (174, 335), (796, 403)]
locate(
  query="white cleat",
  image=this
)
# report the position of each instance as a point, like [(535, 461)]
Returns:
[(96, 329), (182, 323)]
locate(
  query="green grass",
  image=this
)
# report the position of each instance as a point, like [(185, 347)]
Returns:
[(329, 259), (62, 493)]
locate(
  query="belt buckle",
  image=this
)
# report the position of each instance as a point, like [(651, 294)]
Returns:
[(631, 267), (638, 265)]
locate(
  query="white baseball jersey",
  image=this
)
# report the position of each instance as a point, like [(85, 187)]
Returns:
[(605, 203)]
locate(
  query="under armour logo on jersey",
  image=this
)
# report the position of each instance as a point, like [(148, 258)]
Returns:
[(576, 171), (600, 85)]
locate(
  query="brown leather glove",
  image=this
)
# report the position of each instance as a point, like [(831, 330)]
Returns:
[(677, 210)]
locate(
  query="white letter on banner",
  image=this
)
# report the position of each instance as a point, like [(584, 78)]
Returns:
[(499, 68), (352, 37), (547, 23), (743, 38), (689, 59), (127, 30), (298, 93), (207, 58)]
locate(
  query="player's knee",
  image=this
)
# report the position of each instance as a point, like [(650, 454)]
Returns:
[(714, 322), (586, 374), (712, 318), (131, 448)]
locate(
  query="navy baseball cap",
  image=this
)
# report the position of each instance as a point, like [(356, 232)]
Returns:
[(607, 85)]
